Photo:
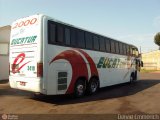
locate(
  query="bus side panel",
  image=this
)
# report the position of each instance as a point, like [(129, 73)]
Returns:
[(111, 72), (59, 72)]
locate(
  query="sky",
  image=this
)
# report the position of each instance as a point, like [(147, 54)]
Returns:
[(131, 21)]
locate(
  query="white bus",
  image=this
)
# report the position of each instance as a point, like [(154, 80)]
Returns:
[(51, 57)]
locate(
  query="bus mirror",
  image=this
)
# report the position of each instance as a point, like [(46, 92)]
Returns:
[(141, 63)]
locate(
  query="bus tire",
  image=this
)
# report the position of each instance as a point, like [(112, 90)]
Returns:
[(79, 89), (132, 78), (93, 86)]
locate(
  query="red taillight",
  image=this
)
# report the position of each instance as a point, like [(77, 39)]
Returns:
[(39, 69)]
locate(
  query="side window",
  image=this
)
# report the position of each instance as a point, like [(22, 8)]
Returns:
[(96, 42), (108, 45), (127, 47), (117, 47), (73, 37), (102, 44), (60, 34), (124, 49), (80, 39), (113, 46), (121, 48), (89, 40), (135, 52), (67, 36), (51, 32), (130, 49)]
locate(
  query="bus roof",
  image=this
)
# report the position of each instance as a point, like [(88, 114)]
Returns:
[(70, 25)]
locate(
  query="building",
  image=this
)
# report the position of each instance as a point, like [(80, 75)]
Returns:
[(151, 60), (4, 52)]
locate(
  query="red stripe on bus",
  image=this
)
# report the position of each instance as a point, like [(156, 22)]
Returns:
[(78, 65), (93, 68), (19, 59)]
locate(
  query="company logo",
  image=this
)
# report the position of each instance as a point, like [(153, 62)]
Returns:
[(79, 67), (105, 62), (4, 116), (108, 62), (24, 40), (15, 67)]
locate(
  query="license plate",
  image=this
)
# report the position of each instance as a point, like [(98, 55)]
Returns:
[(22, 83)]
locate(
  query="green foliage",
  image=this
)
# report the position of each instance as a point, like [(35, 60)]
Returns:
[(157, 39)]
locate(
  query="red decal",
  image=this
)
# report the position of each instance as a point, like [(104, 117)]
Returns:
[(22, 57), (78, 65), (93, 68), (24, 23)]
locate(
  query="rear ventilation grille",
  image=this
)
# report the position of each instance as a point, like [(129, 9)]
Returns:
[(62, 80)]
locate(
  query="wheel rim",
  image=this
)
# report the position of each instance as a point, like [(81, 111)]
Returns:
[(131, 79), (94, 86), (80, 89)]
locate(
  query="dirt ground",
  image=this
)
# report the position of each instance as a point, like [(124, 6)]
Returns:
[(142, 97)]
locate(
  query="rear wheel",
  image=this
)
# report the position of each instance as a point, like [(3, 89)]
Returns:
[(133, 78), (93, 86), (79, 89)]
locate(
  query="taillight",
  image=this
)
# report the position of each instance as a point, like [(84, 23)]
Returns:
[(39, 69)]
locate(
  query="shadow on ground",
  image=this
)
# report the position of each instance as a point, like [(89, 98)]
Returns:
[(4, 81), (115, 91), (6, 90)]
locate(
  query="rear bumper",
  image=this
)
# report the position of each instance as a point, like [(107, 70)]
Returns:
[(28, 84)]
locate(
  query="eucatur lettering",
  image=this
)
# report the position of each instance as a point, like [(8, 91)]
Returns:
[(24, 40)]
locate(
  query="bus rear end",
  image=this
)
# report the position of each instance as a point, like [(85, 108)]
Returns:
[(25, 54)]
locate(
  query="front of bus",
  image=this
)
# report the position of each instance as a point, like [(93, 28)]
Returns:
[(25, 54)]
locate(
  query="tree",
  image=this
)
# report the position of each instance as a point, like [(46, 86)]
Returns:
[(157, 39)]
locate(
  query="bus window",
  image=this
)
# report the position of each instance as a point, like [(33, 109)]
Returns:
[(113, 47), (96, 42), (51, 33), (108, 46), (73, 37), (128, 52), (135, 52), (102, 44), (89, 40), (117, 47), (80, 39), (121, 48), (59, 34), (67, 36), (124, 49)]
